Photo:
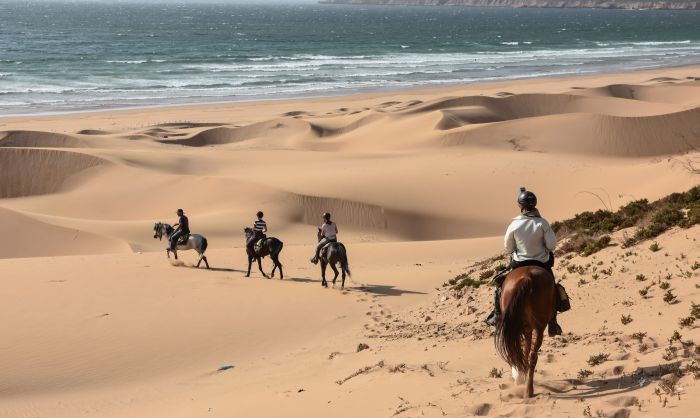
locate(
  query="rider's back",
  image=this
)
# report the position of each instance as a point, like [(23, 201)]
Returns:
[(530, 238)]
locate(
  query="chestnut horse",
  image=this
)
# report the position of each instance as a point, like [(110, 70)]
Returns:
[(528, 303)]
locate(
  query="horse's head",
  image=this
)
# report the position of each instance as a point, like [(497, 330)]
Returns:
[(158, 231), (248, 232)]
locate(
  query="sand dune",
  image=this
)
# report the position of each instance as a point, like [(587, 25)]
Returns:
[(30, 139), (421, 184), (594, 134), (27, 172), (28, 237)]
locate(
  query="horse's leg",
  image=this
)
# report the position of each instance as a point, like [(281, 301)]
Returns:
[(277, 265), (250, 263), (200, 260), (175, 254), (274, 265), (276, 260), (324, 283), (535, 344), (204, 257), (168, 252), (335, 272), (342, 284), (260, 267)]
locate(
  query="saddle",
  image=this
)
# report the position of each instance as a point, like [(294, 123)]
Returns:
[(257, 247), (183, 239), (563, 300)]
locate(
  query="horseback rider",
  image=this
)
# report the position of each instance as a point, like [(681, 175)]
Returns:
[(259, 230), (530, 241), (181, 228), (328, 231)]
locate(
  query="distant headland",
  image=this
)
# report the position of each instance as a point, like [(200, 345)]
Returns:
[(579, 4)]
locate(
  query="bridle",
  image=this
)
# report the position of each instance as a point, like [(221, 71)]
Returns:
[(160, 230)]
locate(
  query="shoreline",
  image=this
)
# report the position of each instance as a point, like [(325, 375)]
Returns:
[(359, 95), (526, 4)]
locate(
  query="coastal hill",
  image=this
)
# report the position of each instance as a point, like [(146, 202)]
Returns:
[(584, 4)]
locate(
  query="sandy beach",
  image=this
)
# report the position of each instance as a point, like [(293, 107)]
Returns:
[(422, 184)]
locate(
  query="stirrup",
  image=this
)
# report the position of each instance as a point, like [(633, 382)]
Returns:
[(492, 318)]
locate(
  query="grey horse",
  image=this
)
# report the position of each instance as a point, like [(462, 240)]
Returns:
[(270, 246), (332, 254), (194, 242)]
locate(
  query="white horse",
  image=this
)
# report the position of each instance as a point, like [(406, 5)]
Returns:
[(194, 242)]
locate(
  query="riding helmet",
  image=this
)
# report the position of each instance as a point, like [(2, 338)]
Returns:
[(260, 214), (326, 215), (527, 199)]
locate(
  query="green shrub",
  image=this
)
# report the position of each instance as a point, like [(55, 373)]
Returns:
[(598, 359), (668, 217), (639, 336), (486, 274), (669, 297)]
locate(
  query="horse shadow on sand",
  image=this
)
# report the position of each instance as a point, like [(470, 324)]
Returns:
[(378, 289)]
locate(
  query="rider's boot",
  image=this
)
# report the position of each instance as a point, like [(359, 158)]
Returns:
[(314, 259), (553, 327), (493, 316)]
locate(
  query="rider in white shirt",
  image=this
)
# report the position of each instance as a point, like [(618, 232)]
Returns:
[(328, 231), (530, 241)]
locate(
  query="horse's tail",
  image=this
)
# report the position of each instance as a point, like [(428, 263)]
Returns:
[(344, 260), (511, 327), (205, 244)]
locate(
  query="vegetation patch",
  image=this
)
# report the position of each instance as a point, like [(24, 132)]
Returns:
[(597, 359), (587, 231)]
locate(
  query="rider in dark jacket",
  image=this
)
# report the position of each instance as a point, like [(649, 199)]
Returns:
[(182, 227)]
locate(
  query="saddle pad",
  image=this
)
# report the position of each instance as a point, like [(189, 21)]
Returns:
[(258, 245)]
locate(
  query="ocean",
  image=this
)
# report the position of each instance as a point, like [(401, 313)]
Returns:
[(64, 57)]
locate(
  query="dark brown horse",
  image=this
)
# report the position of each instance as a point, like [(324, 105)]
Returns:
[(528, 303), (270, 246), (335, 253)]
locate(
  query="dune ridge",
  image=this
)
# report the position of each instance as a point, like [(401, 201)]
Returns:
[(38, 139)]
